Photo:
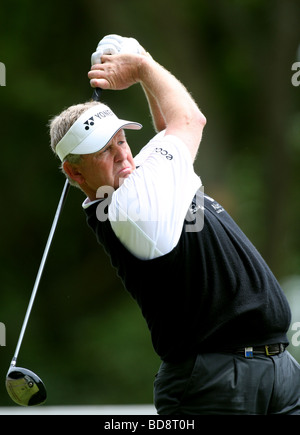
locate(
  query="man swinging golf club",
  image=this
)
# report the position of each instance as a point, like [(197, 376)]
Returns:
[(217, 316)]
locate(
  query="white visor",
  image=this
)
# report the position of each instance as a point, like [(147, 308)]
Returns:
[(92, 131)]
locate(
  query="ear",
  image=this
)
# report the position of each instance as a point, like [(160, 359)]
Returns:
[(73, 172)]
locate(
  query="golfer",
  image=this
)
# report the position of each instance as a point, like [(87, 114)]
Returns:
[(217, 316)]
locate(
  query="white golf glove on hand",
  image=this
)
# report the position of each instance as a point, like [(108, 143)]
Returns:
[(114, 44)]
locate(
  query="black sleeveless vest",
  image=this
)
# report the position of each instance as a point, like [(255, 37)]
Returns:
[(212, 292)]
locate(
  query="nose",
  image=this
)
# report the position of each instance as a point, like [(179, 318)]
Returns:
[(120, 153)]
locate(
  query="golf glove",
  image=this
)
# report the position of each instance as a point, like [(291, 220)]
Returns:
[(114, 44)]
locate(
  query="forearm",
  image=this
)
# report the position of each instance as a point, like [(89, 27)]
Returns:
[(180, 113), (159, 121)]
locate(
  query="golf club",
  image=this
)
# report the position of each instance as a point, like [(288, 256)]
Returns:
[(23, 386)]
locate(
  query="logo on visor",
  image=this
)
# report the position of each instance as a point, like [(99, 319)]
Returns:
[(89, 122)]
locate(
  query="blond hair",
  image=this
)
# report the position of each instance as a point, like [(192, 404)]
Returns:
[(60, 124)]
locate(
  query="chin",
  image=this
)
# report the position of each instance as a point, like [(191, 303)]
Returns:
[(121, 179), (120, 182)]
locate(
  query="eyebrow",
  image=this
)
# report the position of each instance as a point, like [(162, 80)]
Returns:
[(120, 133)]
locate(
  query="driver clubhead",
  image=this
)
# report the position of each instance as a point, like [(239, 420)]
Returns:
[(24, 387)]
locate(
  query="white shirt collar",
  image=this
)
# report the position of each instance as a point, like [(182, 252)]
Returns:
[(87, 202)]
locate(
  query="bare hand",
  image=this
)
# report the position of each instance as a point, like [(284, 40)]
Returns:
[(116, 72)]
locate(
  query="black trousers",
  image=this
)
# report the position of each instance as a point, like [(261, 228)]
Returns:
[(220, 384)]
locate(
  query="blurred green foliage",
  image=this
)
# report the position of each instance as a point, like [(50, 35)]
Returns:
[(86, 338)]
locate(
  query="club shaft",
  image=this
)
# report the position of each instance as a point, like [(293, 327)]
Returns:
[(40, 271), (97, 94)]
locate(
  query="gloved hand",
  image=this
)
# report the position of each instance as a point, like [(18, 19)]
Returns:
[(114, 44)]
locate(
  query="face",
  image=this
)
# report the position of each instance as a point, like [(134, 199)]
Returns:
[(107, 167)]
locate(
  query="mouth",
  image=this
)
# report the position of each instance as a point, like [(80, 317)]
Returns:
[(125, 171)]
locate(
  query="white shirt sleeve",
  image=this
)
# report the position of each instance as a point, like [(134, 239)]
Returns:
[(147, 211)]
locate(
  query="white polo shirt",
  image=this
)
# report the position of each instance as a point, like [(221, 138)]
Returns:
[(147, 211)]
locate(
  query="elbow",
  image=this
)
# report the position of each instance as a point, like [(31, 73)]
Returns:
[(195, 120), (201, 120), (196, 124), (200, 123)]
